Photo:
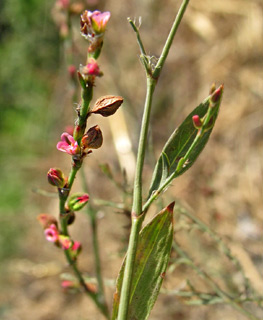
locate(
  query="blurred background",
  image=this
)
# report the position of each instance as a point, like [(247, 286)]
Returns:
[(218, 41)]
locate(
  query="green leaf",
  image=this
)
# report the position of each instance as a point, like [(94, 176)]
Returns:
[(152, 256), (179, 143)]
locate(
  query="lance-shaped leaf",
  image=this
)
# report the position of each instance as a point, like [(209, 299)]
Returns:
[(182, 139), (152, 257)]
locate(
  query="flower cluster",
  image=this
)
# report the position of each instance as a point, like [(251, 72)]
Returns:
[(52, 234)]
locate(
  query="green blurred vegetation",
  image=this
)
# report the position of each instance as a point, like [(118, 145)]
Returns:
[(29, 55)]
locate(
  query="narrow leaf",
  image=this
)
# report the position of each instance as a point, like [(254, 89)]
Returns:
[(179, 143), (152, 257)]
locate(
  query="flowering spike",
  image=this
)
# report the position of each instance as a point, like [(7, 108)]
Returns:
[(68, 144)]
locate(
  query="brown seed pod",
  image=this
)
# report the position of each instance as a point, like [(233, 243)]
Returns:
[(107, 105)]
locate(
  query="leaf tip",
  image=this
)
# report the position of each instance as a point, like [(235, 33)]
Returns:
[(170, 207)]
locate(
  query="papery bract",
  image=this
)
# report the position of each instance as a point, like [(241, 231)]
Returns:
[(68, 144)]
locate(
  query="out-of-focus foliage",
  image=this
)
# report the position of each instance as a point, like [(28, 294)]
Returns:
[(28, 55)]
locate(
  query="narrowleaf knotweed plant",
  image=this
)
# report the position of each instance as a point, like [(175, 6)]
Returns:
[(149, 249)]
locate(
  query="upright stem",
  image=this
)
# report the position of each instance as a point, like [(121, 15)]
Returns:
[(137, 216), (137, 192), (137, 204)]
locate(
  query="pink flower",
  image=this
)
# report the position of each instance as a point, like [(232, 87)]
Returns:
[(68, 144), (52, 233), (93, 23), (99, 21)]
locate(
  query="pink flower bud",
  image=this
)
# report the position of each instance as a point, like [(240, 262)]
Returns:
[(77, 201), (216, 95), (76, 246), (197, 121), (52, 233), (75, 249), (68, 144), (92, 139), (56, 177), (68, 284), (91, 69), (65, 242)]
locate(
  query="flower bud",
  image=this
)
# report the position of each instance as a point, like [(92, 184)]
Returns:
[(217, 94), (65, 242), (77, 201), (56, 177), (91, 69), (75, 249), (92, 139), (69, 284), (197, 121), (107, 105), (46, 220)]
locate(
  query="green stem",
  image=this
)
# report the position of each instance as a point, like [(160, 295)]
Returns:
[(139, 40), (128, 272), (95, 244), (170, 38), (137, 204), (137, 218), (137, 193)]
